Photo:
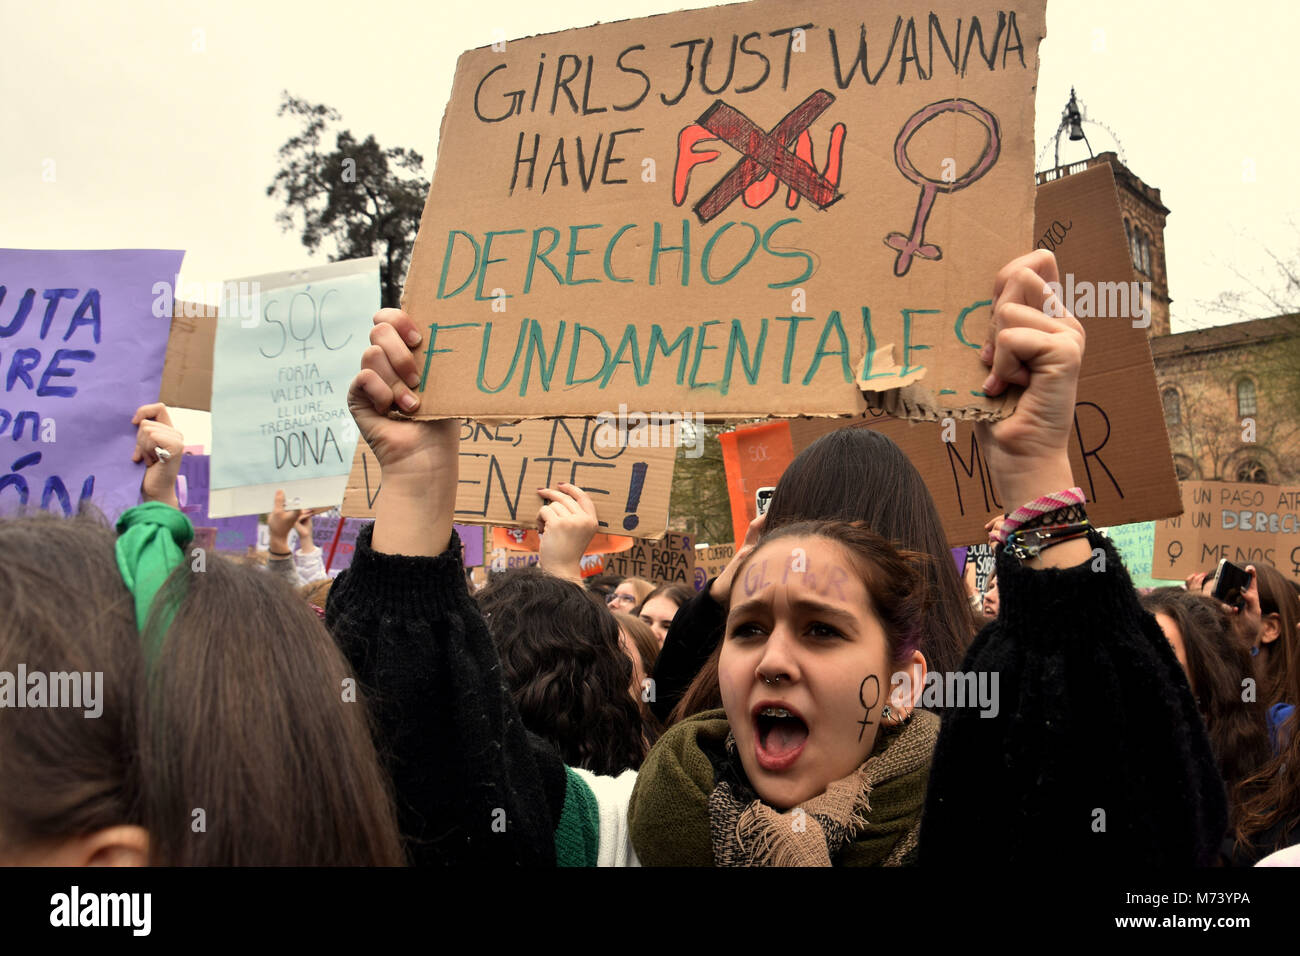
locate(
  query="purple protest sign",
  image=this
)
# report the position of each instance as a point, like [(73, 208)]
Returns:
[(323, 528), (471, 538), (232, 534), (82, 340)]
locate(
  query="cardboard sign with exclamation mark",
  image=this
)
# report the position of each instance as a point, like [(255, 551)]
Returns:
[(634, 495)]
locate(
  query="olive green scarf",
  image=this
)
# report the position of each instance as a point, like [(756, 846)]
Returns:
[(692, 805)]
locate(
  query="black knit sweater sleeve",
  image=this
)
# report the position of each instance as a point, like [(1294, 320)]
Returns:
[(1096, 753), (696, 629), (472, 786)]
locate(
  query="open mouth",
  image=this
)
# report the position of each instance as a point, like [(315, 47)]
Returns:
[(780, 736)]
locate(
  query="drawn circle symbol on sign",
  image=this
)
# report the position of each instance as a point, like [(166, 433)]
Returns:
[(1295, 562), (1174, 556), (992, 143), (701, 579), (913, 245)]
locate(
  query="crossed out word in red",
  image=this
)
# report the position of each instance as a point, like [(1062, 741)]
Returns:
[(767, 157)]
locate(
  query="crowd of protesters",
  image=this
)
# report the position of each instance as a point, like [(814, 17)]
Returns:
[(780, 716)]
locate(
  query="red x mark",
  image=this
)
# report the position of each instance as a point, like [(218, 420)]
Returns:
[(764, 153)]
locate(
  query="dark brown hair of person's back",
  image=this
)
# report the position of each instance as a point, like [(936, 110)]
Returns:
[(1217, 665), (561, 662), (1272, 795), (1278, 661), (646, 647), (857, 474), (244, 715)]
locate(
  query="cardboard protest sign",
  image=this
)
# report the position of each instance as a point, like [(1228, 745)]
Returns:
[(187, 370), (670, 560), (1245, 523), (714, 558), (288, 345), (503, 559), (628, 474), (80, 350), (710, 561), (192, 492), (748, 209), (1119, 449), (753, 457)]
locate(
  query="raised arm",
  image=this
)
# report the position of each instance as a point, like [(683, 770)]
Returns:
[(472, 788), (1090, 750)]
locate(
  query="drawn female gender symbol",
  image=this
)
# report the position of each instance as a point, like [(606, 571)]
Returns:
[(875, 699), (912, 245)]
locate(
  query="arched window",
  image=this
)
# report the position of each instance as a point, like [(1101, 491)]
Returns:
[(1145, 245), (1246, 404), (1173, 407), (1252, 470), (1135, 249), (1184, 470)]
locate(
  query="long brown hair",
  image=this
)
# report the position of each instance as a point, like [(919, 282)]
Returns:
[(246, 715), (1218, 665), (646, 647), (859, 475), (1279, 660), (1272, 795)]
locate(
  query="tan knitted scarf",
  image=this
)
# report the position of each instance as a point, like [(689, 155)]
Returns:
[(869, 818)]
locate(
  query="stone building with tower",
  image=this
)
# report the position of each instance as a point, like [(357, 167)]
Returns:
[(1231, 393)]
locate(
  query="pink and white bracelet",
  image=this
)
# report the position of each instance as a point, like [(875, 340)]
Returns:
[(1033, 512)]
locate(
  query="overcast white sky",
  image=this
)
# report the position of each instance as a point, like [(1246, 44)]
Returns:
[(156, 143)]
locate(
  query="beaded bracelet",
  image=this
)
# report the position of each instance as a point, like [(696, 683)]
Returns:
[(1042, 510), (1029, 542)]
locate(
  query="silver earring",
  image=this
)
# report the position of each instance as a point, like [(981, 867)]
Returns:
[(886, 713)]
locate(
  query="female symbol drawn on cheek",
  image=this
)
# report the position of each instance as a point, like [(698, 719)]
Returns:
[(874, 681)]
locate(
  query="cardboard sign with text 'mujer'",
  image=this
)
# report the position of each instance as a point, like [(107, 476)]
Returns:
[(1119, 449), (760, 208), (627, 472)]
